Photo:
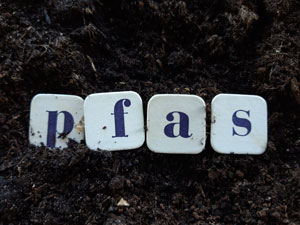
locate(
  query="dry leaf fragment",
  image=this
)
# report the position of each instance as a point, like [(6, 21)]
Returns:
[(123, 202)]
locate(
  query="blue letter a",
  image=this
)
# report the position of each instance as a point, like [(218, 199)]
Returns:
[(119, 117), (183, 125), (52, 126)]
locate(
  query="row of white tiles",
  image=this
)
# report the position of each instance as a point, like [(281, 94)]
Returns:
[(175, 123)]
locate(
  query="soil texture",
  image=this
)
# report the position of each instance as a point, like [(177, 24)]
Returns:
[(204, 48)]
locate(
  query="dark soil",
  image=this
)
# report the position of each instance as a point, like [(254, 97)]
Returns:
[(163, 46)]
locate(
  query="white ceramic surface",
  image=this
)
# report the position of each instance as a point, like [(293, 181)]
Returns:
[(176, 124), (239, 124), (54, 119), (114, 121)]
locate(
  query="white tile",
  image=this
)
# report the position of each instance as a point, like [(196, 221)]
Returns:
[(114, 121), (54, 119), (176, 124), (239, 124)]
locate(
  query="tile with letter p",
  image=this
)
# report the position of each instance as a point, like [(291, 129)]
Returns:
[(176, 124), (54, 119), (114, 121), (239, 124)]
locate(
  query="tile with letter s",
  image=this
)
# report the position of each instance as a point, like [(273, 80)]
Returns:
[(114, 121), (54, 119), (239, 124), (176, 124)]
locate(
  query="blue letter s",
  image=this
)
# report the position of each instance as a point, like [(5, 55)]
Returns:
[(241, 122)]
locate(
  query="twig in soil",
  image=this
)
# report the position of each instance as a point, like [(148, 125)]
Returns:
[(92, 63), (47, 18)]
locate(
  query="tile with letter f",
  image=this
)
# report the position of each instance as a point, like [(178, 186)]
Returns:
[(55, 119), (239, 124), (176, 124), (114, 121)]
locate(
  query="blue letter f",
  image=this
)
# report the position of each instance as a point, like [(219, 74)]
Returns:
[(119, 117)]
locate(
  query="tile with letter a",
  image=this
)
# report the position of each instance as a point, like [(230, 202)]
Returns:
[(54, 119), (114, 121), (239, 124), (176, 124)]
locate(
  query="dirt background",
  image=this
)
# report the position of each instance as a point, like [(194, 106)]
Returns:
[(197, 47)]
